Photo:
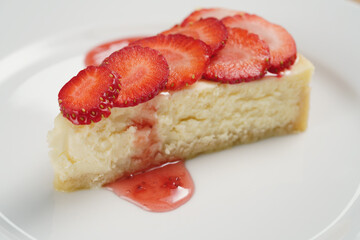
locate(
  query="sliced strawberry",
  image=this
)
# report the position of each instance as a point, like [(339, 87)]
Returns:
[(244, 58), (186, 56), (89, 96), (218, 13), (282, 45), (210, 30), (96, 55), (144, 73)]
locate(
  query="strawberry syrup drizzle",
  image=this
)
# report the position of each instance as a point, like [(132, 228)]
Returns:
[(97, 54), (158, 189), (146, 137)]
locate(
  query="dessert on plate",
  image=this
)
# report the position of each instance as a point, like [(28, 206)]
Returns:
[(220, 78)]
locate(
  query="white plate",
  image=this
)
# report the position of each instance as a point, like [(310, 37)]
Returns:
[(303, 186)]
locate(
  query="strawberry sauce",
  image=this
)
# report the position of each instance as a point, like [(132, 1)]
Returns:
[(97, 54), (158, 189)]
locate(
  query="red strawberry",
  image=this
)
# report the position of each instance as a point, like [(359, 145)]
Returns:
[(210, 30), (218, 13), (282, 45), (89, 96), (144, 73), (186, 56), (99, 53), (244, 58)]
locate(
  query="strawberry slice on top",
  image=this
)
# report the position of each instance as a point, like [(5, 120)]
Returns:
[(210, 30), (89, 96), (218, 13), (244, 58), (144, 73), (281, 43), (187, 57), (96, 55)]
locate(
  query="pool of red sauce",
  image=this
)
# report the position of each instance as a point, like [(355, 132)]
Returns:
[(158, 189)]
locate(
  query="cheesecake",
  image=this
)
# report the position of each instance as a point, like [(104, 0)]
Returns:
[(204, 117), (202, 86)]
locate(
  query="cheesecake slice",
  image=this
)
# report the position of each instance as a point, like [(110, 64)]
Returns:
[(203, 117)]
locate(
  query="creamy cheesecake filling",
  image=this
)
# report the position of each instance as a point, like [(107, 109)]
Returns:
[(206, 116)]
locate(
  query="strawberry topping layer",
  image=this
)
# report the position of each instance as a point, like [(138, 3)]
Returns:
[(89, 96), (210, 30), (223, 45), (186, 56), (282, 45), (244, 58), (144, 73)]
